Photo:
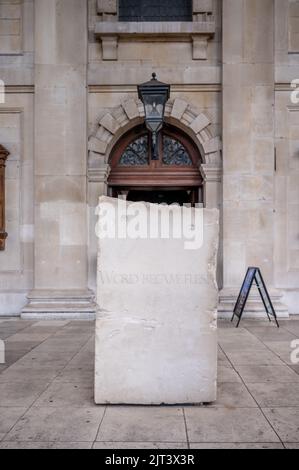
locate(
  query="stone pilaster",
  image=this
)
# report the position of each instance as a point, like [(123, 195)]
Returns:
[(60, 288), (248, 146)]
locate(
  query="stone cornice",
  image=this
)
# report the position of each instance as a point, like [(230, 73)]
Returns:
[(154, 29), (198, 32)]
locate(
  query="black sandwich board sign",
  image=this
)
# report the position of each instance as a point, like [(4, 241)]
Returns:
[(254, 276)]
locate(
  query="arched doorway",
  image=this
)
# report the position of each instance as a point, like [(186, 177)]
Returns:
[(174, 178)]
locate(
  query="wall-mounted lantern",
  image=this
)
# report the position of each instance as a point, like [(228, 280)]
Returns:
[(154, 95), (3, 235)]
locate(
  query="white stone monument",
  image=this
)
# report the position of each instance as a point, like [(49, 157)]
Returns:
[(156, 329)]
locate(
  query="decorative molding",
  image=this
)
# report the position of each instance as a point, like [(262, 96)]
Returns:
[(61, 305), (293, 108), (211, 173), (178, 112), (98, 175), (15, 89), (283, 87), (176, 88), (3, 235), (200, 47), (199, 32)]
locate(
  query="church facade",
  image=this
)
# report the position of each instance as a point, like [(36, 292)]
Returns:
[(72, 129)]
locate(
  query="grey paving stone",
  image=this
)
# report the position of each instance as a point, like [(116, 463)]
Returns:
[(56, 378), (232, 446), (3, 367), (11, 357), (291, 446), (139, 445), (233, 395), (11, 345), (233, 346), (17, 373), (67, 394), (286, 423), (5, 334), (57, 324), (254, 357), (84, 358), (261, 374), (45, 445), (25, 336), (9, 417), (282, 349), (45, 360), (76, 375), (272, 394), (227, 375), (22, 393), (266, 334), (228, 425), (58, 425), (143, 424)]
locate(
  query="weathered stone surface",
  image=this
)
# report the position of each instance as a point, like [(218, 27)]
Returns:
[(110, 123), (179, 107), (97, 146), (156, 329), (200, 123), (131, 109)]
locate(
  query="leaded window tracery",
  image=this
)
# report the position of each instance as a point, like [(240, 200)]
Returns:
[(137, 153), (174, 153)]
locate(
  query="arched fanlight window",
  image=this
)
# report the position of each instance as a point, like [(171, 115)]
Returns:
[(136, 153), (177, 168), (174, 153)]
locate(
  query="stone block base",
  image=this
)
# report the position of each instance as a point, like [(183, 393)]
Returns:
[(59, 305), (156, 330)]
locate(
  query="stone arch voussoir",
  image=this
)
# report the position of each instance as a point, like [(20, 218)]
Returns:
[(130, 113)]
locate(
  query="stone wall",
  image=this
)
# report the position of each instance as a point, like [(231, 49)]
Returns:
[(16, 262), (112, 83), (17, 42), (80, 74), (286, 228)]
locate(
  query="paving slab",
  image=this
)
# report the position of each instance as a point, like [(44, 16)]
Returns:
[(45, 445), (273, 394), (285, 421), (22, 393), (143, 424), (262, 374), (57, 425), (232, 446), (67, 394), (139, 445), (9, 416), (216, 425)]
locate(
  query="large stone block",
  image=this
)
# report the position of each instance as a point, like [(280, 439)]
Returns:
[(156, 330)]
